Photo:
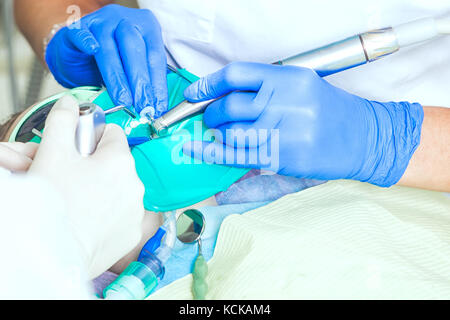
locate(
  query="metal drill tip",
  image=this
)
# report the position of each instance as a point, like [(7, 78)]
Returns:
[(115, 109), (119, 108), (130, 113), (171, 68)]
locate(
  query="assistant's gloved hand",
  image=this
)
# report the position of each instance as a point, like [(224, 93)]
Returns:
[(119, 47), (102, 192), (309, 128)]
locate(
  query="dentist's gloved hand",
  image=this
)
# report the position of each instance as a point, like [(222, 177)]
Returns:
[(314, 130), (119, 47), (102, 192)]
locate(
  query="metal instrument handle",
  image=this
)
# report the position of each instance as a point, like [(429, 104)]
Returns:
[(90, 128)]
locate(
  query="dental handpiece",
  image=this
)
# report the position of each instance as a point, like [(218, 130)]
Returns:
[(90, 128), (335, 57)]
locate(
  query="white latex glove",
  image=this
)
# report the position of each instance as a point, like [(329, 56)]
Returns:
[(103, 193), (17, 156)]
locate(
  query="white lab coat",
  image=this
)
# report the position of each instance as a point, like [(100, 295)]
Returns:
[(204, 35), (40, 259)]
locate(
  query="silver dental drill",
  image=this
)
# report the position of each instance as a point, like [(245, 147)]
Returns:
[(338, 56)]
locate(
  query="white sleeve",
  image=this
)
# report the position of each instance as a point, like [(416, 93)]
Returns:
[(39, 256)]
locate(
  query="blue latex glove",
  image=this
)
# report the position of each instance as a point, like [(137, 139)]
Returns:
[(119, 47), (321, 132)]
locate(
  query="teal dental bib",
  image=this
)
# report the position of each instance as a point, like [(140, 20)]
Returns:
[(173, 180)]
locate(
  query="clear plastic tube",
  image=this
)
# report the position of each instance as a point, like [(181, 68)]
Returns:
[(140, 278), (165, 249), (420, 30)]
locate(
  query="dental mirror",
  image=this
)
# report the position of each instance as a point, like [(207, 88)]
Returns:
[(190, 226)]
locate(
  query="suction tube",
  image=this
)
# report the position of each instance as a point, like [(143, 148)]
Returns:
[(368, 46), (140, 278)]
